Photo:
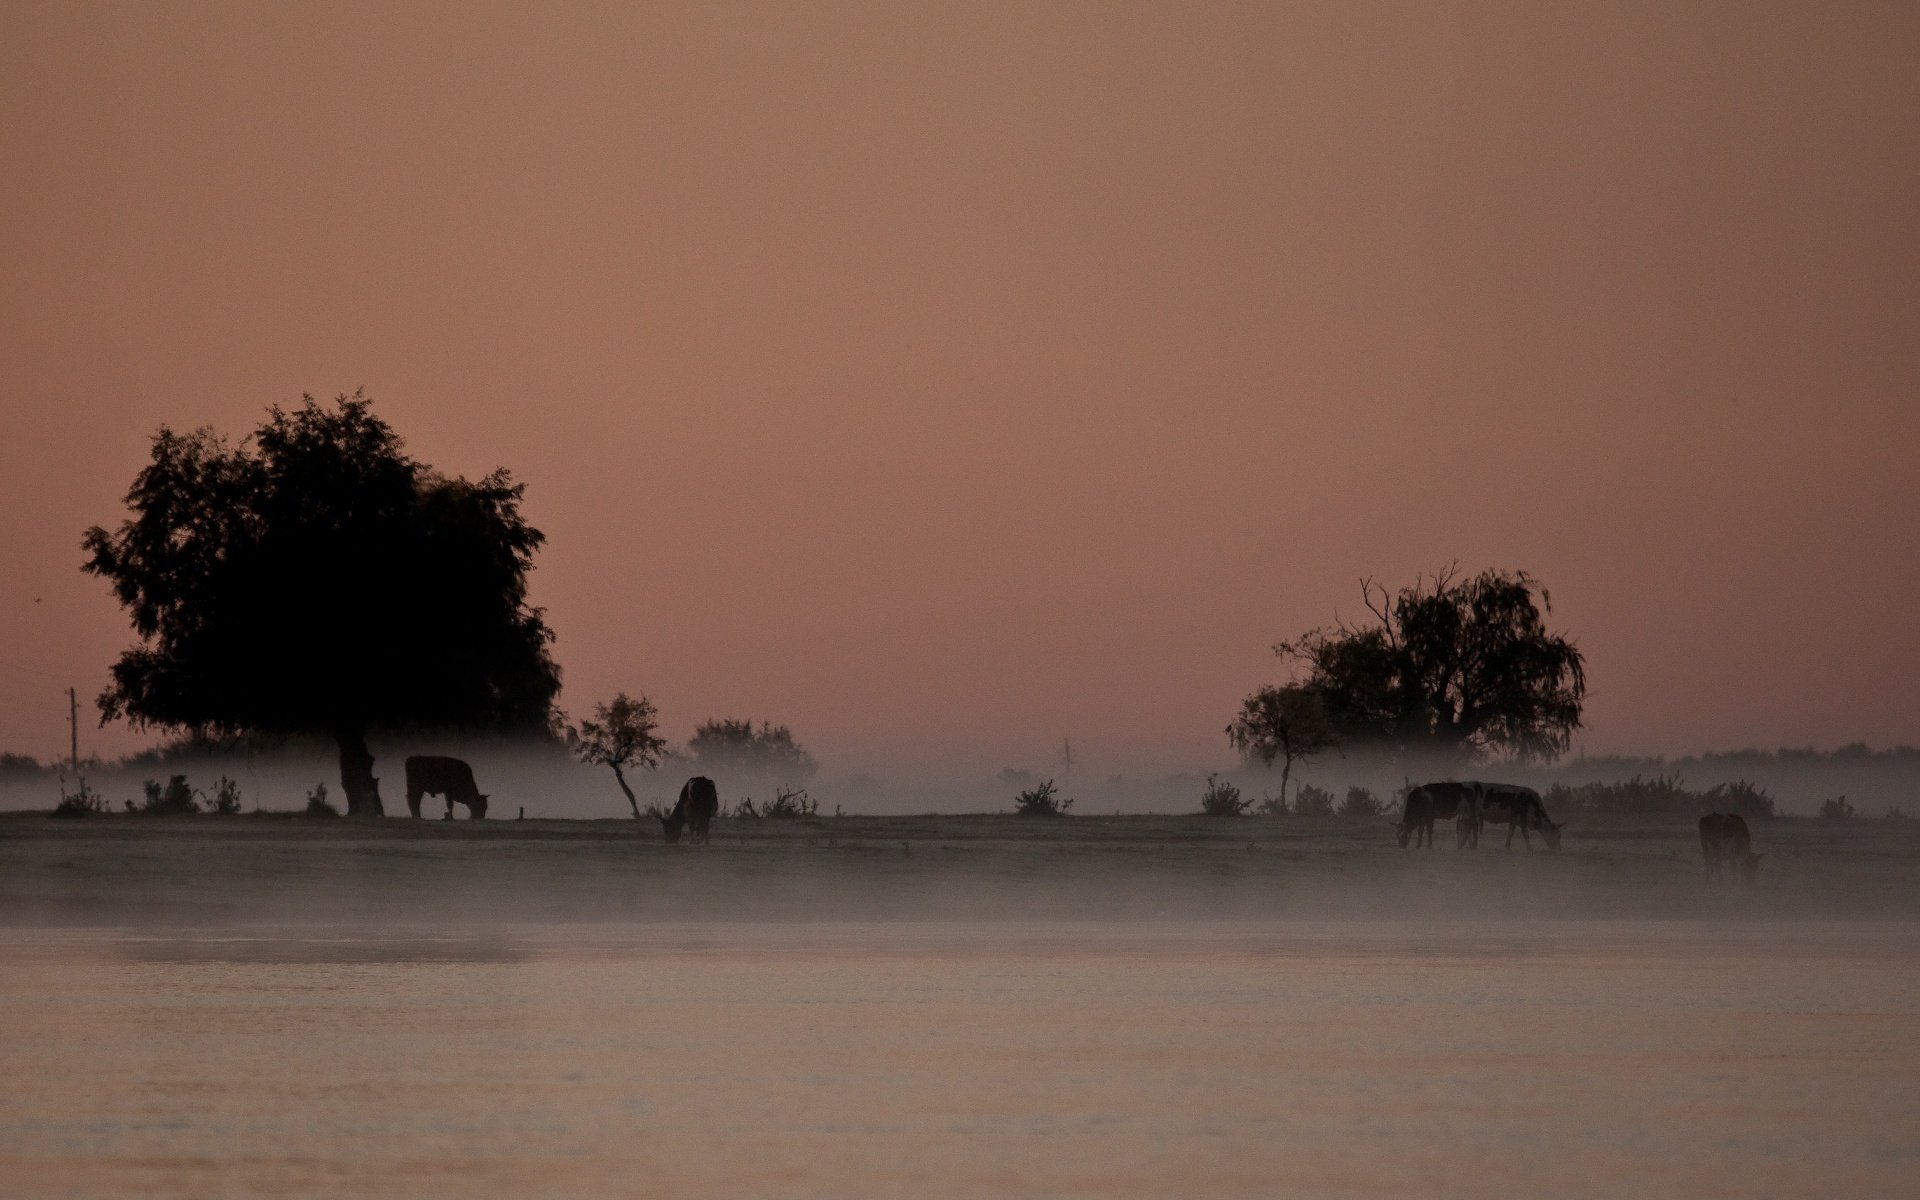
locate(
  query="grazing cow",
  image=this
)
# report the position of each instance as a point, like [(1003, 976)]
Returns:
[(435, 775), (1519, 809), (1726, 842), (699, 801), (1456, 802)]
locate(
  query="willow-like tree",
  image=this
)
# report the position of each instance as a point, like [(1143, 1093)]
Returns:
[(315, 579), (1448, 669)]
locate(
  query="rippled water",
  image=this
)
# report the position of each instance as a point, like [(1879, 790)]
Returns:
[(1554, 1059)]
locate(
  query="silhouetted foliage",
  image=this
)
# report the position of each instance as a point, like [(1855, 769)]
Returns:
[(317, 804), (315, 579), (620, 735), (174, 799), (1041, 800), (1360, 802), (1836, 809), (770, 750), (81, 802), (1270, 806), (787, 804), (1288, 723), (226, 797), (1222, 799), (1665, 794), (1311, 801), (1449, 667), (15, 766)]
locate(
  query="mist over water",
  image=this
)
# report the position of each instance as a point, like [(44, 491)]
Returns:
[(1304, 1058)]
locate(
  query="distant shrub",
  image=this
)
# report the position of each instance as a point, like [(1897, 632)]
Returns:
[(1662, 794), (173, 800), (226, 797), (1894, 814), (1361, 802), (1271, 806), (1041, 800), (317, 805), (1222, 799), (1737, 797), (790, 803), (82, 802), (1836, 809), (1311, 801)]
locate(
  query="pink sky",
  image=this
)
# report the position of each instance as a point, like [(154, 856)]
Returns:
[(947, 380)]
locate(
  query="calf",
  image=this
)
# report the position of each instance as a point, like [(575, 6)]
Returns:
[(699, 801), (434, 775), (1726, 843)]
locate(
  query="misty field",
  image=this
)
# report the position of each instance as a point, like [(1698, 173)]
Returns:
[(212, 871), (956, 1006)]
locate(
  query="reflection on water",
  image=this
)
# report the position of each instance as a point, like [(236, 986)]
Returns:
[(1574, 1059)]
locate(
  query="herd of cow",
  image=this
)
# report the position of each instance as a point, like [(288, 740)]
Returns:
[(1725, 842)]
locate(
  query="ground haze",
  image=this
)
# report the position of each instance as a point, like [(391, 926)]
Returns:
[(856, 1007)]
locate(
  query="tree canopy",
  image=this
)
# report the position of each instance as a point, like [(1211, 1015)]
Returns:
[(1288, 723), (733, 744), (620, 734), (314, 578), (1449, 667)]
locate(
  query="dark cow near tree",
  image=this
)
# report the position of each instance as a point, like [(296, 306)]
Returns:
[(1519, 809), (1449, 801), (699, 801), (436, 775), (1725, 842)]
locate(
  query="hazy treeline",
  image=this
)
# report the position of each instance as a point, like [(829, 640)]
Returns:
[(542, 776)]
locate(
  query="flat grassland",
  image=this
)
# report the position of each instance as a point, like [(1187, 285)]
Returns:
[(207, 871)]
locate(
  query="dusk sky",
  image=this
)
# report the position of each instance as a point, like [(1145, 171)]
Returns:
[(943, 381)]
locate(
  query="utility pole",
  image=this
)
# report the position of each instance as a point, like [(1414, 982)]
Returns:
[(73, 727)]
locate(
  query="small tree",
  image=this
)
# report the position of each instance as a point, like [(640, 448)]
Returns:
[(1288, 723), (1041, 800), (1836, 809), (1222, 799), (175, 799), (1361, 803), (1312, 801), (620, 735)]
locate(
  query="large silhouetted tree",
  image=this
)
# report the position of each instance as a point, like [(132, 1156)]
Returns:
[(315, 579), (1449, 668)]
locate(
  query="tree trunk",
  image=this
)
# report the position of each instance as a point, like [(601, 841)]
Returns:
[(356, 774), (629, 791), (1286, 769)]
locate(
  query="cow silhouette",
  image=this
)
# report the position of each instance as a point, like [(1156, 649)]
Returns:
[(1725, 842), (699, 801), (435, 775), (1449, 801), (1518, 808)]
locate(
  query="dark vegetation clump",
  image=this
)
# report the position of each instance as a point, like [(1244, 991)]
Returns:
[(1271, 806), (1222, 799), (317, 805), (1662, 794), (82, 802), (226, 797), (1837, 809), (1311, 801), (175, 799), (1361, 802), (1041, 800), (787, 804)]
